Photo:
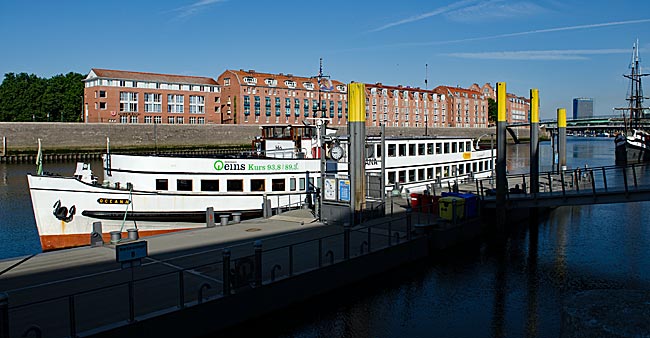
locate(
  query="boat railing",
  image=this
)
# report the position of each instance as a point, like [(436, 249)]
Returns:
[(158, 287)]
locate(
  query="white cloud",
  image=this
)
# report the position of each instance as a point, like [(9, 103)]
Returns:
[(494, 9), (419, 17), (195, 7), (569, 54)]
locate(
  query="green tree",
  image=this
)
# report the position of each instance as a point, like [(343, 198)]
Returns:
[(26, 97), (492, 110)]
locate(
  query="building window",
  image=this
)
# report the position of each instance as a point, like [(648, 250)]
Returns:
[(192, 119), (152, 103), (183, 185), (175, 103), (102, 93), (148, 119), (170, 119), (134, 119), (157, 119), (128, 102), (102, 105), (197, 104), (179, 120), (201, 120), (124, 119)]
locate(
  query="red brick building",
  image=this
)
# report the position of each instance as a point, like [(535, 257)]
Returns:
[(403, 106), (116, 96), (466, 108), (250, 97), (517, 107)]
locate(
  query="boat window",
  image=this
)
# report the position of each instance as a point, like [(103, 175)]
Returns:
[(402, 176), (391, 150), (468, 168), (235, 185), (402, 150), (429, 148), (474, 166), (183, 185), (468, 146), (412, 150), (480, 166), (461, 169), (438, 172), (461, 147), (446, 171), (378, 152), (454, 147), (421, 174), (161, 184), (446, 147), (258, 185), (311, 181), (421, 148), (454, 170), (292, 184), (278, 184), (301, 184), (429, 173), (412, 175), (438, 148), (391, 177), (209, 185)]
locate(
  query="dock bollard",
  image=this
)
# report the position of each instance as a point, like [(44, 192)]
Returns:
[(236, 217), (4, 315), (96, 238), (224, 219), (133, 234), (258, 263), (116, 236), (209, 217)]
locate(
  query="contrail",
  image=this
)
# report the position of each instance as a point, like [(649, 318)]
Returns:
[(425, 15)]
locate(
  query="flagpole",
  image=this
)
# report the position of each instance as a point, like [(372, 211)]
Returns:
[(39, 159)]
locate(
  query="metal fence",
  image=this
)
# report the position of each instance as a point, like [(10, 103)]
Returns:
[(118, 297)]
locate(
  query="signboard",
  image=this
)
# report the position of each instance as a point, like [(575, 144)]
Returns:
[(130, 251), (344, 190), (330, 189)]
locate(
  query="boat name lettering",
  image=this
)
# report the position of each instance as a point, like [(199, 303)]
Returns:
[(113, 201), (228, 165), (371, 161)]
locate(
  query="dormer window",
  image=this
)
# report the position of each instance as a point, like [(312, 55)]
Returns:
[(271, 82), (249, 80), (290, 84), (384, 91), (308, 85), (342, 88), (373, 91), (226, 81)]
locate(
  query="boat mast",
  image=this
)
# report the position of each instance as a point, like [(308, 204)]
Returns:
[(637, 112)]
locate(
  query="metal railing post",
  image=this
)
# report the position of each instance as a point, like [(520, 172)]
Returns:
[(593, 184), (604, 178), (625, 179), (636, 186), (562, 182), (258, 263), (225, 270), (181, 290), (73, 317), (550, 182), (4, 315), (408, 224)]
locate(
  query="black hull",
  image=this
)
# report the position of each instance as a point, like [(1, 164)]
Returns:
[(637, 155), (176, 216)]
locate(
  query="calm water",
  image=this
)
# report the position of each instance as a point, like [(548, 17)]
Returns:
[(497, 287)]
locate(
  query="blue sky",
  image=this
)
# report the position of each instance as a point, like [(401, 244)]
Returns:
[(566, 49)]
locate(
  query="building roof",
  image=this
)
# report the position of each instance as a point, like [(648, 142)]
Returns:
[(152, 77), (284, 81)]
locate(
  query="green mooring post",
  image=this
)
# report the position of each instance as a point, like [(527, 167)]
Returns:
[(502, 184)]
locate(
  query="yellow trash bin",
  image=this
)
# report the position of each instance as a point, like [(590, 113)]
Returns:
[(447, 205)]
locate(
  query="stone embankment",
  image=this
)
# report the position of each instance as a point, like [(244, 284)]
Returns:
[(73, 139)]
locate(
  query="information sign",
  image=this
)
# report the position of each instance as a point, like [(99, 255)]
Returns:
[(344, 190)]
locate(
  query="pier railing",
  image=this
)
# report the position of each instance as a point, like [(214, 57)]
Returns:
[(578, 182), (121, 296)]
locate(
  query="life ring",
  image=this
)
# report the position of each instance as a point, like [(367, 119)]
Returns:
[(113, 113)]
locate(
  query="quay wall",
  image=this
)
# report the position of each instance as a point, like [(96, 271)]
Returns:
[(21, 137)]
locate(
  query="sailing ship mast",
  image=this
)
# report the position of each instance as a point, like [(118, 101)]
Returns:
[(637, 112)]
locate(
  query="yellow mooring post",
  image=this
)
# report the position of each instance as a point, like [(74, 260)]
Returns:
[(561, 138), (534, 140), (502, 183), (357, 130)]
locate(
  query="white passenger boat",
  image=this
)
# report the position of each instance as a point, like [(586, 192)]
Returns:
[(159, 194)]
